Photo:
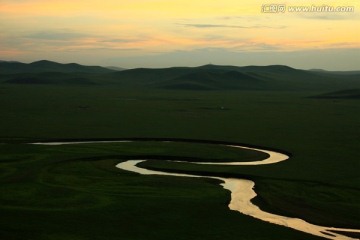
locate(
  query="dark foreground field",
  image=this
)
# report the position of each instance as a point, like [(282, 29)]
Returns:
[(75, 192)]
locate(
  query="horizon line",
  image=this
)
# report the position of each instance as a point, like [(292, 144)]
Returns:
[(180, 66)]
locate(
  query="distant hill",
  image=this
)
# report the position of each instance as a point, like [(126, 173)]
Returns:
[(205, 80), (48, 66), (343, 94), (317, 70), (335, 72), (215, 77), (162, 76), (49, 78), (207, 77), (115, 68)]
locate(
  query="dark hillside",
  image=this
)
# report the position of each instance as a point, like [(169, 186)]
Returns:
[(344, 94), (48, 66), (207, 77)]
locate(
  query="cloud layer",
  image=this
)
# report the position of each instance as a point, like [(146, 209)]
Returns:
[(97, 31)]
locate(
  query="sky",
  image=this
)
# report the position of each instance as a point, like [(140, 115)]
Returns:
[(164, 33)]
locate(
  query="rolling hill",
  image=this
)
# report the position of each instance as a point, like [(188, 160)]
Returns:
[(343, 94), (48, 66), (214, 81), (58, 78), (214, 77), (207, 77)]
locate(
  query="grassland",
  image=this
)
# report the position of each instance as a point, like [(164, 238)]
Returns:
[(75, 192), (67, 193)]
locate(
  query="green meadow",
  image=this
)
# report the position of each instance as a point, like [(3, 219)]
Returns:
[(75, 191)]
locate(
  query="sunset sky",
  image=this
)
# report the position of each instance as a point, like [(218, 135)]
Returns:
[(159, 33)]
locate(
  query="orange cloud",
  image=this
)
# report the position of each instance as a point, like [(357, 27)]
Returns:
[(146, 26)]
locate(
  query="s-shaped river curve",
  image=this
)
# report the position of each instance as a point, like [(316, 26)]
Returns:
[(242, 191)]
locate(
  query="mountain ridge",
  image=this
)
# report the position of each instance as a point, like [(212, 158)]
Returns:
[(205, 77), (48, 66)]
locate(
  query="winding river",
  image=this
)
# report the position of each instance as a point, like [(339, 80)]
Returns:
[(242, 191)]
